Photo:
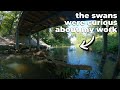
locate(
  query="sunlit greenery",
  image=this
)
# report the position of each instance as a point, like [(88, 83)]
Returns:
[(80, 37), (9, 21), (53, 38), (112, 43), (97, 46)]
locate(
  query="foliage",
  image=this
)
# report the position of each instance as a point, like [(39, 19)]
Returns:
[(51, 37), (9, 20), (98, 44), (80, 37), (112, 43)]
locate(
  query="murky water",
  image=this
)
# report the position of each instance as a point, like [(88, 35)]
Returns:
[(29, 67)]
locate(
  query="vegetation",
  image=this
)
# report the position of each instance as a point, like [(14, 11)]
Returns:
[(97, 46), (112, 43), (80, 37), (8, 23), (53, 38)]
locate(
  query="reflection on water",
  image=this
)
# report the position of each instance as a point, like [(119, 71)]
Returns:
[(19, 68), (29, 67), (72, 48), (76, 56)]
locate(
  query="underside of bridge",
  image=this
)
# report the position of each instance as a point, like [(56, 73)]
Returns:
[(34, 21)]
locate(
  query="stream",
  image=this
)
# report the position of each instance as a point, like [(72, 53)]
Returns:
[(29, 67), (76, 56)]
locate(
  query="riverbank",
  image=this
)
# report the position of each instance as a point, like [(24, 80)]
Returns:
[(17, 66)]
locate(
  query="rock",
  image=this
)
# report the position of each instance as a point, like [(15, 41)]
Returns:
[(10, 57), (40, 54), (14, 57)]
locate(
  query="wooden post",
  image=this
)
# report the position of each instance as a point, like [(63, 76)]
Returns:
[(104, 44), (38, 46), (17, 40), (104, 53)]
